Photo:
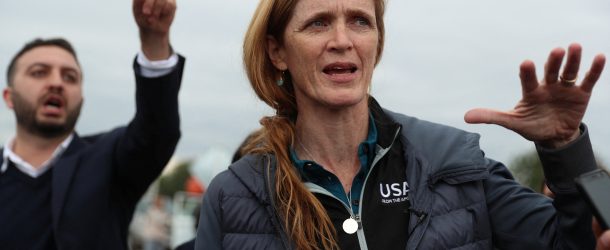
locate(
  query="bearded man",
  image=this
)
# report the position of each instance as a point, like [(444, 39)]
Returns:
[(60, 190)]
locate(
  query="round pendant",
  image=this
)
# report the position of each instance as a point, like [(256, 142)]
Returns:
[(350, 226)]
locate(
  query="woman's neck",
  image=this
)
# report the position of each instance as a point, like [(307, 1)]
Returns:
[(331, 139)]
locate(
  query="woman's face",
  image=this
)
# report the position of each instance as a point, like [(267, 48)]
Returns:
[(330, 49)]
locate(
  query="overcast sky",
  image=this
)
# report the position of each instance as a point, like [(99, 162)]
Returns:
[(441, 59)]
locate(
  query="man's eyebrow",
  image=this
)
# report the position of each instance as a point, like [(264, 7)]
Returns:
[(46, 65), (38, 64)]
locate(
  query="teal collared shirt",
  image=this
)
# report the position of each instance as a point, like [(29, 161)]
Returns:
[(313, 172)]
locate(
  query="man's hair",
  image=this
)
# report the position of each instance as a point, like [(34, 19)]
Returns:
[(38, 42)]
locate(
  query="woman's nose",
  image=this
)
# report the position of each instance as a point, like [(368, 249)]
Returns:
[(341, 39)]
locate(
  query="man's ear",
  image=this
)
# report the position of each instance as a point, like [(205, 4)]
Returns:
[(276, 53), (8, 98)]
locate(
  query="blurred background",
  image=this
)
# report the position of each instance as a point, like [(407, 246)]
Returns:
[(441, 59)]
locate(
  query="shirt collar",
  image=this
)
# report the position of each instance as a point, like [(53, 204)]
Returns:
[(27, 168), (370, 144)]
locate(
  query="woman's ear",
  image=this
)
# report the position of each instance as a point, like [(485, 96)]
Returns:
[(276, 53)]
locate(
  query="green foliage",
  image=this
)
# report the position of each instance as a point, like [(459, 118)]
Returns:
[(527, 170), (174, 181)]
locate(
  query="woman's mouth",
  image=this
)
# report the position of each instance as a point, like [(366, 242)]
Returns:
[(340, 72), (340, 68)]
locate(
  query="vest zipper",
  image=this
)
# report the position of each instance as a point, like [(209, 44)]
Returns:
[(381, 152), (359, 233)]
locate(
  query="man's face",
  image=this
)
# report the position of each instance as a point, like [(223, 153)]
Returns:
[(46, 92)]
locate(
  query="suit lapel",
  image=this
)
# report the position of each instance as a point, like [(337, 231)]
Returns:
[(63, 171)]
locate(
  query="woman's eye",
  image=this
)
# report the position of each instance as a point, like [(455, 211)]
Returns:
[(317, 24), (361, 21)]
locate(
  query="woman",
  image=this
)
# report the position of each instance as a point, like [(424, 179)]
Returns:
[(335, 170)]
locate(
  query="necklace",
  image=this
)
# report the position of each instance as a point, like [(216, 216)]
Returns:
[(350, 225), (306, 151)]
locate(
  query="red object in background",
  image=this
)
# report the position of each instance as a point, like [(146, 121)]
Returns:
[(193, 186)]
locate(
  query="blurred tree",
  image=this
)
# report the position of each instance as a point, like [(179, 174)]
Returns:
[(527, 170), (175, 180)]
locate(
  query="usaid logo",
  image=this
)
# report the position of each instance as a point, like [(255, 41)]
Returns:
[(394, 192)]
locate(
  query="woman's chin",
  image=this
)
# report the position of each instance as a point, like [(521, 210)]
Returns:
[(345, 101)]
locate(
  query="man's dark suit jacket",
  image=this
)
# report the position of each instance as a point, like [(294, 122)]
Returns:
[(99, 179)]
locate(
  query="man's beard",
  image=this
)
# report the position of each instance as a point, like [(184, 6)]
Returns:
[(25, 113)]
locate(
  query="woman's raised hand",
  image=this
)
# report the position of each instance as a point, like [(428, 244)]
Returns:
[(551, 110)]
